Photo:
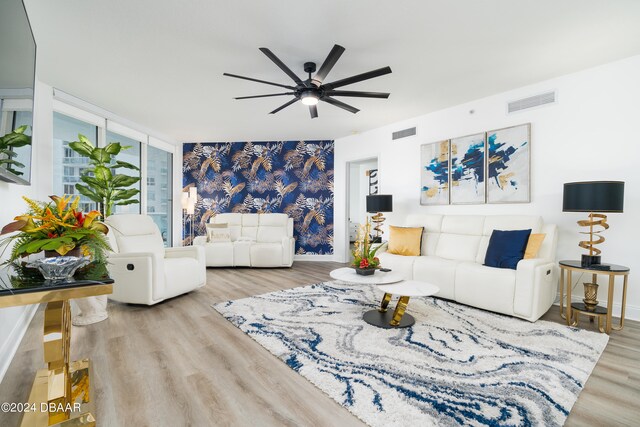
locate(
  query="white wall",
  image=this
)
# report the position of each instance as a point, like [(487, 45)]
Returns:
[(359, 189), (590, 134), (14, 320)]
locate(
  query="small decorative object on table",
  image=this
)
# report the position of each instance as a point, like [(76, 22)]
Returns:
[(59, 268), (365, 261), (58, 228)]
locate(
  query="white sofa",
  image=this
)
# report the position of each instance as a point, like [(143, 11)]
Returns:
[(257, 240), (143, 270), (452, 257)]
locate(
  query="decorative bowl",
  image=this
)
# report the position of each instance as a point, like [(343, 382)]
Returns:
[(365, 271), (59, 268)]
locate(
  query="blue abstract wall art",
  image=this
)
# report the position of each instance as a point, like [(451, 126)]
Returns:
[(508, 165), (467, 169), (292, 177), (434, 174)]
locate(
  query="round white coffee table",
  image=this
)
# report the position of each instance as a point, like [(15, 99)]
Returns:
[(398, 319), (348, 274)]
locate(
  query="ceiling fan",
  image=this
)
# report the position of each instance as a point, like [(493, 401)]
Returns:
[(313, 89)]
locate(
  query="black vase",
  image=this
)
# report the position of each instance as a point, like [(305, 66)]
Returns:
[(365, 271)]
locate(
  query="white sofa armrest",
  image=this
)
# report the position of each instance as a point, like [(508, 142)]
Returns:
[(536, 287), (195, 252), (142, 268), (288, 250)]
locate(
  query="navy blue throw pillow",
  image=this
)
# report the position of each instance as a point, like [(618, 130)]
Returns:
[(506, 248)]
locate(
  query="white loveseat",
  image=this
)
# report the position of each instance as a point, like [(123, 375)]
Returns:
[(143, 270), (452, 256), (257, 240)]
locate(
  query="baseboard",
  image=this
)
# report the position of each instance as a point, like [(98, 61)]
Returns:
[(632, 312), (325, 258), (9, 348)]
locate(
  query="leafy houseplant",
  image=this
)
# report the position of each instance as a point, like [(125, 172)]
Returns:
[(101, 183), (365, 260), (8, 142), (57, 226)]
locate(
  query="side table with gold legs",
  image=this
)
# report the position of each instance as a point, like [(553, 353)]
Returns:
[(60, 391), (589, 307), (406, 289)]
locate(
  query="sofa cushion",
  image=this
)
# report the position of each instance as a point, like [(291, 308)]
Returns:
[(405, 240), (219, 254), (438, 271), (458, 247), (506, 222), (463, 224), (218, 233), (271, 234), (506, 248), (242, 253), (266, 254), (485, 287), (533, 245)]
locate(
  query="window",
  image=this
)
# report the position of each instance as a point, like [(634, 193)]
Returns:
[(159, 203), (66, 172), (130, 155)]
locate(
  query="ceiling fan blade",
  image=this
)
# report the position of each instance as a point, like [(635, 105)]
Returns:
[(328, 64), (265, 96), (284, 106), (259, 81), (280, 64), (355, 79), (313, 109), (357, 94), (340, 104)]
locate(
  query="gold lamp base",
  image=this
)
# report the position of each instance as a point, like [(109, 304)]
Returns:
[(378, 220)]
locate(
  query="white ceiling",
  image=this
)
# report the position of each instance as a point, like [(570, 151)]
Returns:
[(160, 63)]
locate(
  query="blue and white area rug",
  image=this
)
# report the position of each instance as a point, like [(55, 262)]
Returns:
[(456, 365)]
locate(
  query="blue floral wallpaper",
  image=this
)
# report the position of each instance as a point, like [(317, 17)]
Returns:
[(292, 177)]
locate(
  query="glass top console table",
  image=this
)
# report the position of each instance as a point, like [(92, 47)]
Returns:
[(60, 393)]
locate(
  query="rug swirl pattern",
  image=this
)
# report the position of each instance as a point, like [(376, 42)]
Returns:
[(456, 366)]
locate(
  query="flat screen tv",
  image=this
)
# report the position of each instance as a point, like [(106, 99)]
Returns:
[(17, 87)]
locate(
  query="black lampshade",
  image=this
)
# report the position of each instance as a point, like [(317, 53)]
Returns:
[(593, 196), (380, 203)]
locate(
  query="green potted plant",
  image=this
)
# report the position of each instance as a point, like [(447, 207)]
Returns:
[(8, 142), (365, 260), (101, 183), (58, 228)]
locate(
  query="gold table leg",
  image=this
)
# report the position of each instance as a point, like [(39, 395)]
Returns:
[(399, 311), (58, 391), (624, 304), (568, 310), (562, 294), (385, 302), (610, 304)]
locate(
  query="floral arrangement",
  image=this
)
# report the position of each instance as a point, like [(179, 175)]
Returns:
[(364, 256), (57, 226)]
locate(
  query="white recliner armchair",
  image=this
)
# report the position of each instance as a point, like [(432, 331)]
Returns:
[(144, 271)]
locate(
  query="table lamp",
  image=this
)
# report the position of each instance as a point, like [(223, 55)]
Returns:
[(378, 203), (596, 198)]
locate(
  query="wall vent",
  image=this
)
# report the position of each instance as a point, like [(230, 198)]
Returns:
[(531, 102), (403, 133)]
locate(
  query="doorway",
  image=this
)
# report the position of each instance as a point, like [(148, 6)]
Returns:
[(362, 181)]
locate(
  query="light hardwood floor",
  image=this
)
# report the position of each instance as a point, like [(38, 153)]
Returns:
[(180, 363)]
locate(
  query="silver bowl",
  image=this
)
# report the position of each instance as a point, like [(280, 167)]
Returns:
[(59, 268)]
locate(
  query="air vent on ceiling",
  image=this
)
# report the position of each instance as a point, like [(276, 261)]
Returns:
[(531, 102), (403, 133)]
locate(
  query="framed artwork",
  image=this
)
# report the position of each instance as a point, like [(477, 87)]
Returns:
[(509, 165), (434, 173), (467, 180), (373, 181)]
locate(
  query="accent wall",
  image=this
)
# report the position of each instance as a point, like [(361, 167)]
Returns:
[(292, 177)]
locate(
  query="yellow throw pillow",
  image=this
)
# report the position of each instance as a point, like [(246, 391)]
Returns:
[(405, 240), (533, 245)]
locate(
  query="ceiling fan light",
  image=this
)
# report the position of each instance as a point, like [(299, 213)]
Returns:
[(309, 98)]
